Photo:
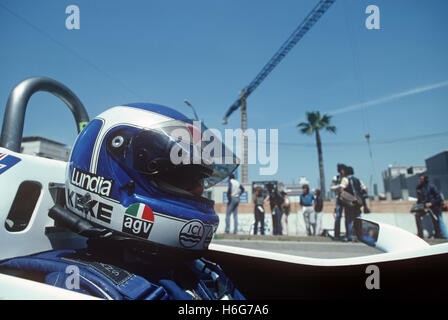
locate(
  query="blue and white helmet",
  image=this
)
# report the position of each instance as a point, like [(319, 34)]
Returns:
[(138, 170)]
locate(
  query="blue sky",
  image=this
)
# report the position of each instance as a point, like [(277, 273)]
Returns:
[(207, 51)]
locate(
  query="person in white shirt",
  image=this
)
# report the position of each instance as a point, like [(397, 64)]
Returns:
[(339, 209), (234, 192), (286, 209)]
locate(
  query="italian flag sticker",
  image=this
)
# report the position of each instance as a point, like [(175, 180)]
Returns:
[(140, 211)]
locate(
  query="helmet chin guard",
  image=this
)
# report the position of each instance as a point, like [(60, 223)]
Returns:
[(121, 176)]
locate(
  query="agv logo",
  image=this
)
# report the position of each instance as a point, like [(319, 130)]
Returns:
[(138, 220)]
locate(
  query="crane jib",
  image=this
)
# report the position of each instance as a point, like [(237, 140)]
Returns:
[(300, 31)]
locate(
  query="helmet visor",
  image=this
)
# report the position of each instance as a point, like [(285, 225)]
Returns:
[(185, 157)]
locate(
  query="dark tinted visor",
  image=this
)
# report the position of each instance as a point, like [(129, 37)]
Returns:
[(182, 156)]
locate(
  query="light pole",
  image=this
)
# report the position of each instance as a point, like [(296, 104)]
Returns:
[(372, 176), (191, 106)]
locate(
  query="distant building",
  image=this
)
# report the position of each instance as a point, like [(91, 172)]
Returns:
[(438, 171), (303, 180), (294, 191), (400, 182), (218, 193), (46, 148)]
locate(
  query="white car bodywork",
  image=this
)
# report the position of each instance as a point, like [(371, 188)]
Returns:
[(399, 243)]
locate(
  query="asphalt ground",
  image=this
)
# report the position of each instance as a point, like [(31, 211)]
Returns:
[(313, 247)]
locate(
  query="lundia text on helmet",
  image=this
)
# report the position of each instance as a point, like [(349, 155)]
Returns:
[(207, 147), (91, 182)]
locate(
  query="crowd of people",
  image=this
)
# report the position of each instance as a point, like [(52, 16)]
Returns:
[(278, 202), (351, 195), (280, 206)]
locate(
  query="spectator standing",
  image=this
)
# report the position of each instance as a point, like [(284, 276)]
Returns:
[(276, 200), (277, 223), (306, 201), (318, 208), (428, 195), (286, 208), (365, 196), (234, 191), (338, 210), (355, 187), (259, 209)]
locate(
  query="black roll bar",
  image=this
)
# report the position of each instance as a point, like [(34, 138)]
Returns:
[(13, 121)]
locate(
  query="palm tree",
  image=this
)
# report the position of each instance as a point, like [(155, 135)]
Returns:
[(315, 124)]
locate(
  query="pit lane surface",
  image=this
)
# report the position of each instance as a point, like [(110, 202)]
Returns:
[(326, 250)]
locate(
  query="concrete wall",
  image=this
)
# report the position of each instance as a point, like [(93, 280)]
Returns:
[(397, 206)]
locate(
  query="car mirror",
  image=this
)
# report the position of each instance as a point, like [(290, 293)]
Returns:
[(386, 237), (367, 231)]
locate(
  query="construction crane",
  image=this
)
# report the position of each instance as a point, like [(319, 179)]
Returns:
[(298, 33)]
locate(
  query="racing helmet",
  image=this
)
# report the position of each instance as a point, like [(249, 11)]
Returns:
[(140, 170)]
